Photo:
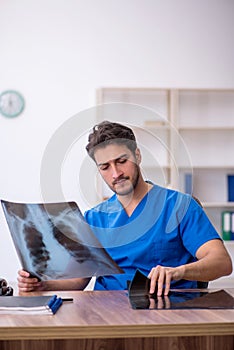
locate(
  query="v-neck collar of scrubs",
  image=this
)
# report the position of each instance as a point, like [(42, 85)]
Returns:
[(116, 206)]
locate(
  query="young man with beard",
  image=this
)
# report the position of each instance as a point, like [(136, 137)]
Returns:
[(163, 232)]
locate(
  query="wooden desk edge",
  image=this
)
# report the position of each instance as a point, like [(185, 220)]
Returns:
[(123, 331)]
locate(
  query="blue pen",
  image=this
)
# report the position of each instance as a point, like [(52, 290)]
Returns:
[(56, 305)]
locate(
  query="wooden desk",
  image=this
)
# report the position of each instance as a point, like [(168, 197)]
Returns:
[(105, 320)]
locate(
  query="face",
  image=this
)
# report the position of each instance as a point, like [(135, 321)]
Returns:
[(119, 167)]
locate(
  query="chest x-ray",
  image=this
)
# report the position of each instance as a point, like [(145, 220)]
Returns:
[(53, 241)]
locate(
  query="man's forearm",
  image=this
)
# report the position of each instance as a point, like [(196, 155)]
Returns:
[(207, 269), (66, 284)]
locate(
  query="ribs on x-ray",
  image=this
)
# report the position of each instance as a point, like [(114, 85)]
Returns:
[(53, 241)]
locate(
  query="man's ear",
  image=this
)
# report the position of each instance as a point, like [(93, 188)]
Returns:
[(138, 156)]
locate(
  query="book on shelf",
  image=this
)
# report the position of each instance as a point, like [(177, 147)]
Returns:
[(230, 181), (227, 225), (232, 225), (188, 183), (30, 305)]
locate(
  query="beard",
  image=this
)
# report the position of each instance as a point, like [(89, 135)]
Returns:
[(128, 185)]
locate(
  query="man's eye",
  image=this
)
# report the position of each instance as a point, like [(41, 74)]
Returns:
[(123, 160), (103, 167)]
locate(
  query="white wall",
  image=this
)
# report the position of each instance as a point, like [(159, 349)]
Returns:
[(57, 52)]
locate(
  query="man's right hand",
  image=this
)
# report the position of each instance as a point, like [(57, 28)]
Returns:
[(26, 283)]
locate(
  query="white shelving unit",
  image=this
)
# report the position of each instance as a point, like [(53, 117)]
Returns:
[(206, 123), (181, 131)]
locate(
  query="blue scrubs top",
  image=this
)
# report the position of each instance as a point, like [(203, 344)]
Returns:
[(166, 228)]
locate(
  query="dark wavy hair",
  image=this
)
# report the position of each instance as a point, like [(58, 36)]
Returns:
[(106, 133)]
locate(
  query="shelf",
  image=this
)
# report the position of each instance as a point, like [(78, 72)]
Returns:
[(218, 204), (208, 167), (206, 128), (193, 132), (153, 167), (154, 128), (229, 243)]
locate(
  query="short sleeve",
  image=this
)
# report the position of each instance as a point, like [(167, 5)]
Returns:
[(196, 228)]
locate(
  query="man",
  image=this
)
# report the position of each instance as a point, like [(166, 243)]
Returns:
[(162, 232)]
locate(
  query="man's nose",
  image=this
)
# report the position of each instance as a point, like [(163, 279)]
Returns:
[(116, 172)]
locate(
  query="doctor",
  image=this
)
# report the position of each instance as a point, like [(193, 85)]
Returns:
[(163, 232)]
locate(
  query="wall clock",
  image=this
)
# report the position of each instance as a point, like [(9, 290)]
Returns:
[(11, 103)]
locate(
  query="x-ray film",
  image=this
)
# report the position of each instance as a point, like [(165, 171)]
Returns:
[(140, 298), (53, 241)]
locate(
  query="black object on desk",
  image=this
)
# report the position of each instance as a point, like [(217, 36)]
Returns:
[(5, 290), (140, 298)]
